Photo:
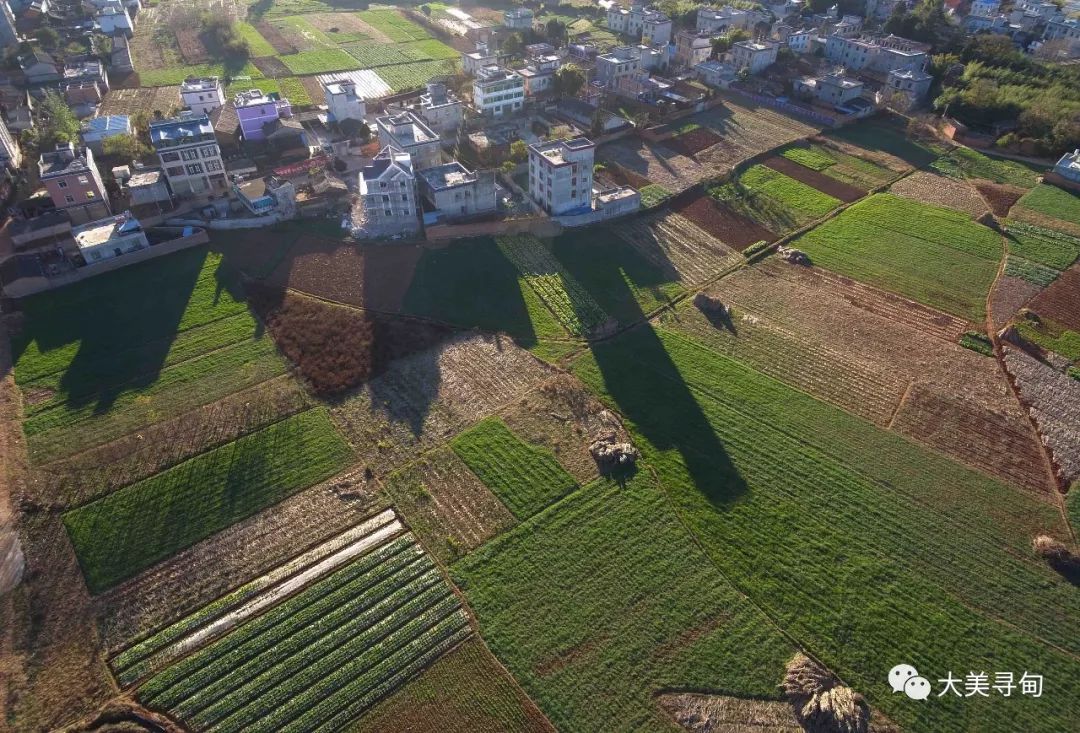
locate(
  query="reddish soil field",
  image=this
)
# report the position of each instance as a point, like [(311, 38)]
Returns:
[(1061, 301), (271, 66), (999, 198), (191, 46), (274, 38), (843, 191), (335, 347), (693, 142), (1010, 295), (622, 177), (723, 223), (314, 89)]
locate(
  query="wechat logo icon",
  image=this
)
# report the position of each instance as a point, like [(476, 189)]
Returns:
[(905, 678)]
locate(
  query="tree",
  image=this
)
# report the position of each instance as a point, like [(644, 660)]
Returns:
[(59, 124), (720, 46), (569, 80), (519, 151), (48, 38), (508, 167), (124, 147), (555, 31), (426, 10), (512, 44)]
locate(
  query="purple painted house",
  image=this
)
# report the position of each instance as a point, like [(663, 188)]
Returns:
[(258, 113)]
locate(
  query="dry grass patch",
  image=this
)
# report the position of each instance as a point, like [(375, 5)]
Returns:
[(678, 246), (820, 702), (699, 713)]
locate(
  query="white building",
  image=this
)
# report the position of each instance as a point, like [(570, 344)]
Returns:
[(407, 133), (715, 74), (539, 74), (114, 19), (1068, 166), (799, 41), (692, 48), (202, 95), (498, 91), (890, 53), (473, 61), (625, 61), (442, 110), (342, 101), (753, 55), (111, 237), (10, 154), (388, 203), (719, 21), (560, 175), (458, 193), (518, 18), (9, 36), (189, 154), (913, 84), (832, 90), (648, 23)]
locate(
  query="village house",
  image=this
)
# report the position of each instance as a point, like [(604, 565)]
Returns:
[(120, 59), (266, 196), (202, 95), (455, 192), (755, 56), (831, 90), (539, 74), (97, 130), (189, 154), (716, 74), (114, 19), (442, 111), (39, 68), (692, 48), (73, 182), (649, 24), (1068, 167), (497, 91), (719, 21), (10, 153), (560, 175), (407, 133), (146, 186), (518, 18), (473, 61), (912, 84), (342, 101), (388, 204), (625, 61), (109, 237), (258, 111)]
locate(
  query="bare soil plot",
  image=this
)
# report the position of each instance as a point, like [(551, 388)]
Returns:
[(130, 101), (1061, 301), (445, 503), (343, 23), (88, 475), (656, 163), (274, 37), (564, 417), (1009, 295), (933, 188), (877, 157), (843, 191), (316, 92), (191, 45), (735, 230), (699, 713), (271, 67), (620, 176), (693, 142), (1000, 198), (676, 244), (1053, 399), (194, 577), (877, 355), (425, 399)]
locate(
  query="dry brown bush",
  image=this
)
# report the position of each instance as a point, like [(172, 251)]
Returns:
[(820, 702), (1054, 551)]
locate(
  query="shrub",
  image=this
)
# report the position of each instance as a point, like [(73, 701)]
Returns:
[(978, 342), (1056, 553), (755, 249)]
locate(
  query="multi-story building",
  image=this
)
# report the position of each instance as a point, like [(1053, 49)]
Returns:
[(458, 193), (692, 48), (913, 84), (115, 20), (753, 55), (616, 64), (9, 36), (74, 184), (407, 133), (387, 202), (189, 154), (539, 74), (856, 54), (109, 237), (342, 101), (442, 110), (560, 175), (473, 61), (498, 91), (799, 41), (985, 8), (1064, 29), (256, 109), (10, 154), (202, 95), (518, 18), (649, 24), (719, 21), (832, 90)]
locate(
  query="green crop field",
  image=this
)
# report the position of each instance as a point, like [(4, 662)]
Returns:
[(1052, 336), (321, 61), (1033, 272), (853, 539), (890, 138), (1053, 202), (928, 253), (814, 158), (653, 195), (125, 532), (473, 284), (1045, 246), (373, 55), (416, 74), (89, 380), (617, 276), (968, 163), (301, 26), (394, 25), (777, 201), (323, 656), (258, 45), (525, 477), (604, 598), (174, 75)]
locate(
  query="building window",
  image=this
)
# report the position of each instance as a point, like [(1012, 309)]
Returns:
[(169, 157), (213, 165), (189, 154), (388, 212), (69, 199), (209, 151), (194, 169), (61, 184), (175, 171)]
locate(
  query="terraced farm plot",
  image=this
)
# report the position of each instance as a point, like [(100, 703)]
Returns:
[(258, 45), (621, 280), (1045, 246), (760, 472), (572, 304), (816, 180), (890, 138), (526, 477), (299, 32), (173, 75), (322, 656), (722, 223), (1054, 202), (851, 345), (125, 532), (1052, 336), (319, 61), (393, 25), (927, 253), (88, 382), (933, 188), (1059, 302), (773, 199), (597, 604), (971, 164), (415, 75), (1033, 272), (466, 691), (446, 504), (843, 162)]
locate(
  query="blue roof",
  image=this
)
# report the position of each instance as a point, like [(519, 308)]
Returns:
[(180, 127), (108, 123)]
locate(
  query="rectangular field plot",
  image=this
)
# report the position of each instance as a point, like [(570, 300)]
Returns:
[(596, 605), (88, 381), (1053, 202), (760, 472), (526, 477), (968, 163), (930, 254), (316, 650), (416, 74), (1045, 246), (776, 201), (125, 532), (319, 61), (393, 25)]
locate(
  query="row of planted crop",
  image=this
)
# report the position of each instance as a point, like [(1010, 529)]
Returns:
[(177, 682), (127, 664), (370, 655)]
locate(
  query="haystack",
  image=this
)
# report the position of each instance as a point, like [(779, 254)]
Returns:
[(794, 256), (1054, 551), (821, 704), (611, 454), (709, 303)]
